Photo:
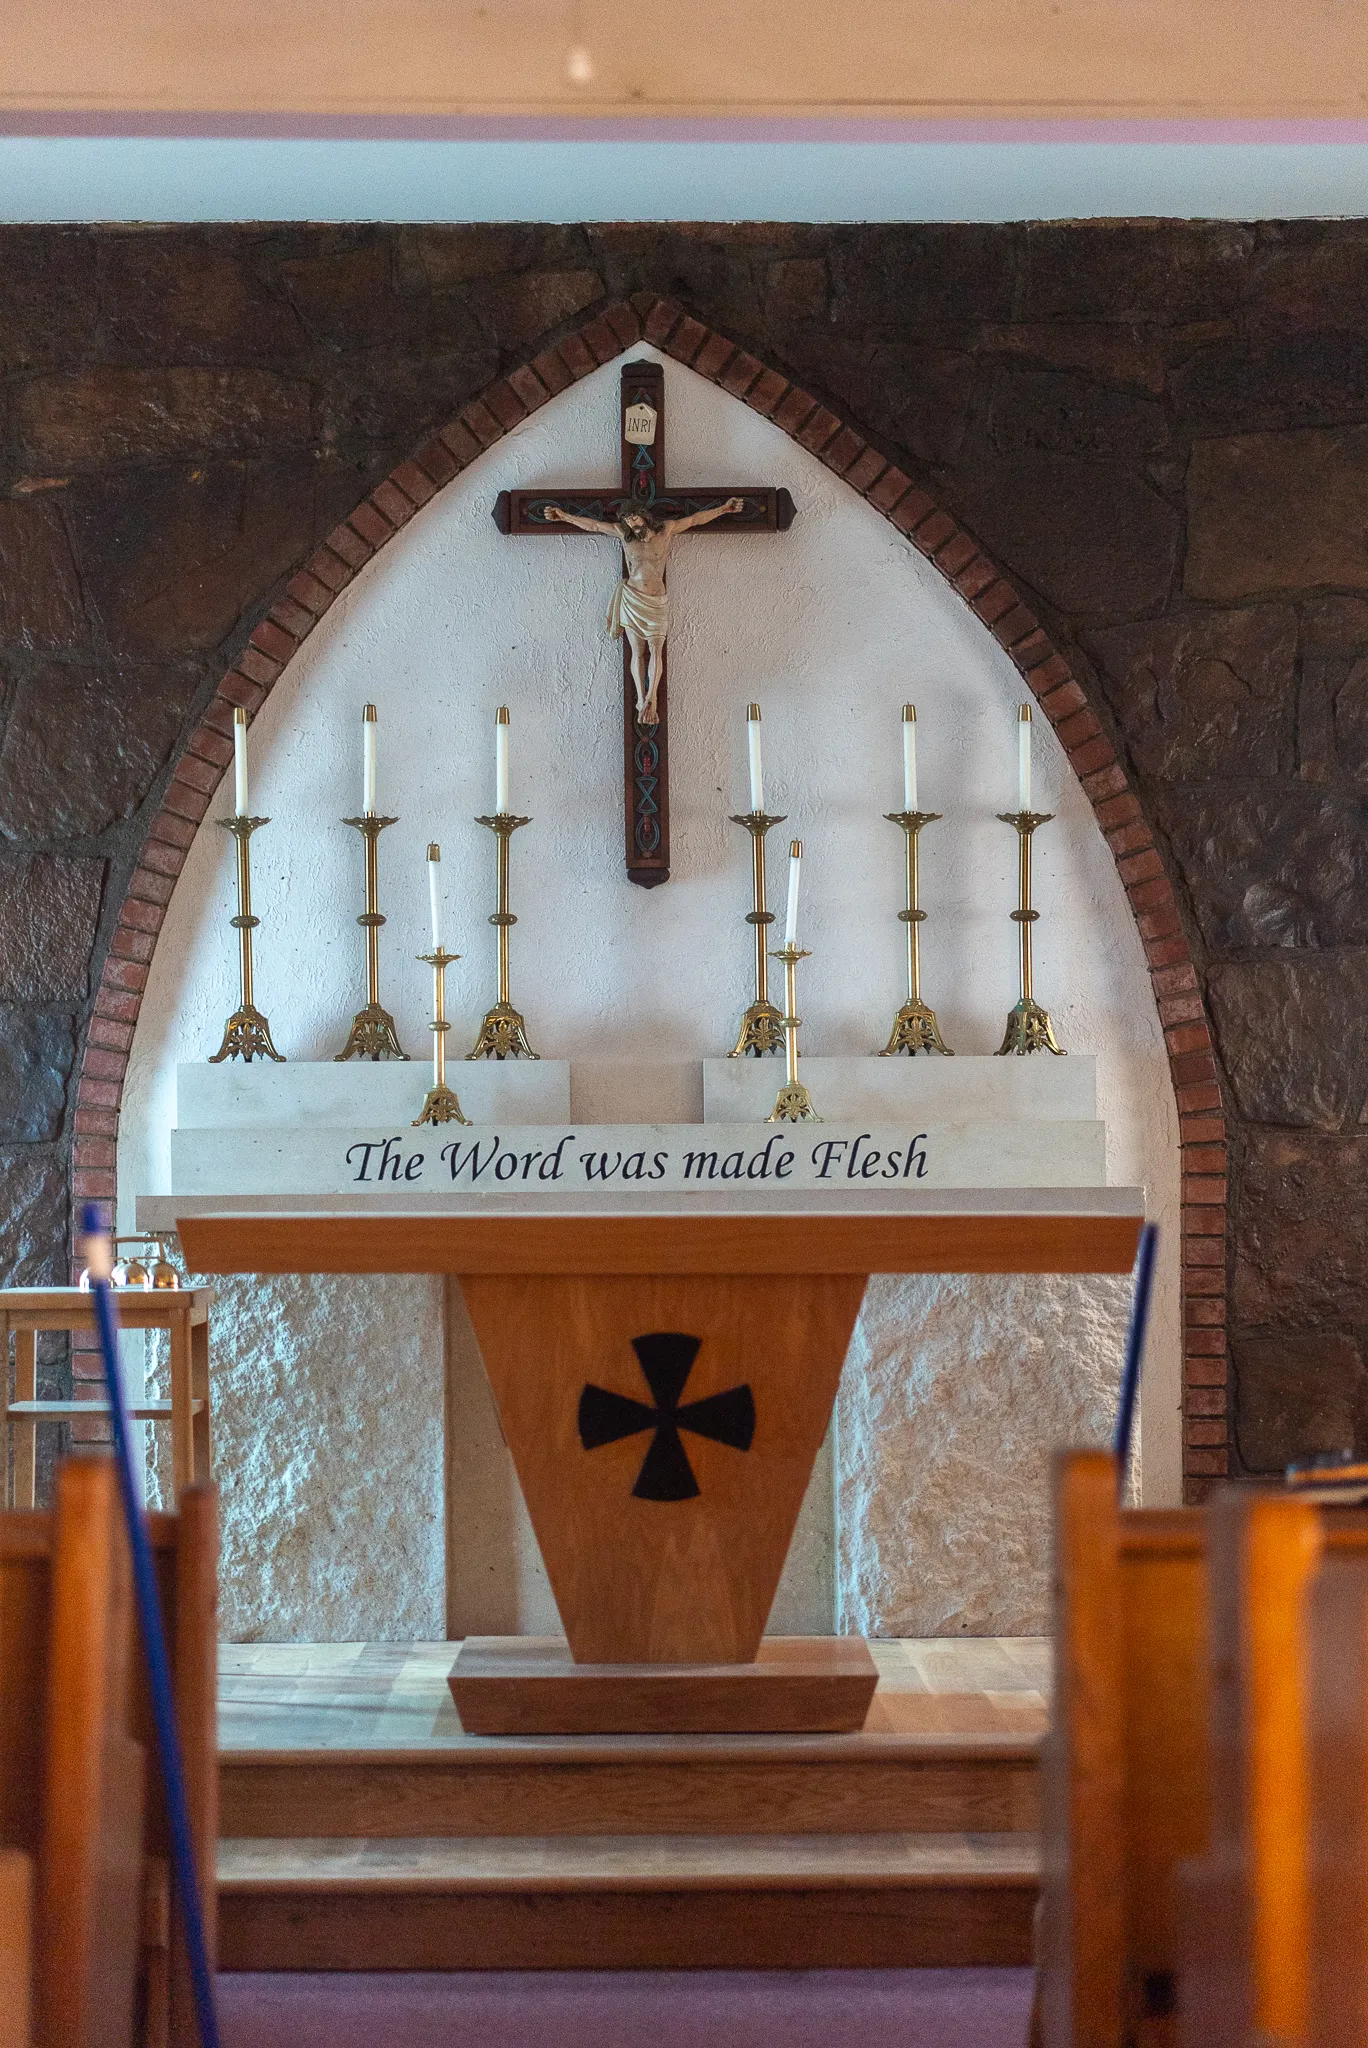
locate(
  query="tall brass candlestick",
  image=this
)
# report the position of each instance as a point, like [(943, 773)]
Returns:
[(793, 1104), (762, 1027), (914, 1028), (440, 1105), (1028, 1026), (373, 1036), (246, 1034), (503, 1034)]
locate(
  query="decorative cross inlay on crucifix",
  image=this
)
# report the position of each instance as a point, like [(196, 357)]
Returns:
[(645, 516), (666, 1358)]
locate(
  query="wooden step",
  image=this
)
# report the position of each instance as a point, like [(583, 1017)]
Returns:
[(639, 1785), (340, 1739), (755, 1901)]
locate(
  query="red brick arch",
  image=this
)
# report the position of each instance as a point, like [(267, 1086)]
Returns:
[(964, 564)]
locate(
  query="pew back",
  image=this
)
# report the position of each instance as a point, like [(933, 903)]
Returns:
[(1126, 1790), (41, 1661), (1337, 1709)]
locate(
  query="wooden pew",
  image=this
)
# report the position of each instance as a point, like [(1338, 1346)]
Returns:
[(71, 1774), (35, 1582), (1125, 1768), (1177, 1874), (1337, 1795), (16, 1949), (185, 1546), (1245, 1968)]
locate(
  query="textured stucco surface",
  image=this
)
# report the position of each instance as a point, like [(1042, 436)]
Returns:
[(328, 1452), (956, 1390)]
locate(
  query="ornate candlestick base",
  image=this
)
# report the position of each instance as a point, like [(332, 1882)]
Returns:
[(440, 1105), (762, 1027), (503, 1036), (1028, 1025), (762, 1031), (246, 1035), (793, 1104), (372, 1035), (1029, 1030), (915, 1030)]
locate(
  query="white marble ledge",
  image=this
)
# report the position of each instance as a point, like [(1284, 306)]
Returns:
[(162, 1212), (332, 1095), (623, 1160), (366, 1093), (928, 1089)]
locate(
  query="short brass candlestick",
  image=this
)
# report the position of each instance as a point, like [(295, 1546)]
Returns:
[(503, 1034), (1028, 1026), (440, 1105), (793, 1104), (373, 1036), (914, 1028), (246, 1035), (762, 1027)]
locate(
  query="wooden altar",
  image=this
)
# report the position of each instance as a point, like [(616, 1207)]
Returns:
[(664, 1383)]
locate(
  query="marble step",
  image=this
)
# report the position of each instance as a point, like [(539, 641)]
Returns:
[(681, 1901), (638, 1785)]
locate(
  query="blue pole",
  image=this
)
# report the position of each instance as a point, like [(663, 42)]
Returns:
[(1135, 1351), (154, 1642)]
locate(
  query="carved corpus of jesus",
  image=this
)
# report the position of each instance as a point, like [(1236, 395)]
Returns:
[(640, 607)]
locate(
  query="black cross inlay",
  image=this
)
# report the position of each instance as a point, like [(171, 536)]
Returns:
[(666, 1358)]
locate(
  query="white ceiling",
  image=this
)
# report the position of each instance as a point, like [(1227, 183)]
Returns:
[(141, 178)]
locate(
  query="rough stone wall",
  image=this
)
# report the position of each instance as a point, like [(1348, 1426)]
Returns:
[(1160, 430)]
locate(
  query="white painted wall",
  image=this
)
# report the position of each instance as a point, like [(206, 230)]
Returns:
[(1063, 175), (830, 626)]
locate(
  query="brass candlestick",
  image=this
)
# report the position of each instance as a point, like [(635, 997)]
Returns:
[(503, 1034), (793, 1104), (246, 1035), (440, 1105), (1028, 1026), (762, 1027), (373, 1036), (914, 1028)]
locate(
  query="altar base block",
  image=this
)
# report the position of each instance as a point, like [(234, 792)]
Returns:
[(530, 1685)]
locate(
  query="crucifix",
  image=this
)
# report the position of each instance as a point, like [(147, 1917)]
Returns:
[(645, 517)]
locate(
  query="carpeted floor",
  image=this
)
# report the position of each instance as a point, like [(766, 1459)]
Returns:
[(630, 2009)]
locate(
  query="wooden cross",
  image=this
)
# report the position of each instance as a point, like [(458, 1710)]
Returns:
[(646, 754)]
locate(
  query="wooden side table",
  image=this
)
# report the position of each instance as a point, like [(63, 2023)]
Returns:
[(183, 1312)]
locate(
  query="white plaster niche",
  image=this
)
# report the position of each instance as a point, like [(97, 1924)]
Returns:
[(929, 1512)]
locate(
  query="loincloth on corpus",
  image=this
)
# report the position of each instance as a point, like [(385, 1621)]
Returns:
[(637, 611)]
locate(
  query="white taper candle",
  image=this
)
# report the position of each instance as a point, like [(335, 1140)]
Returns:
[(1024, 758), (909, 757), (368, 760), (795, 868), (434, 858), (757, 778), (501, 760), (240, 761)]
